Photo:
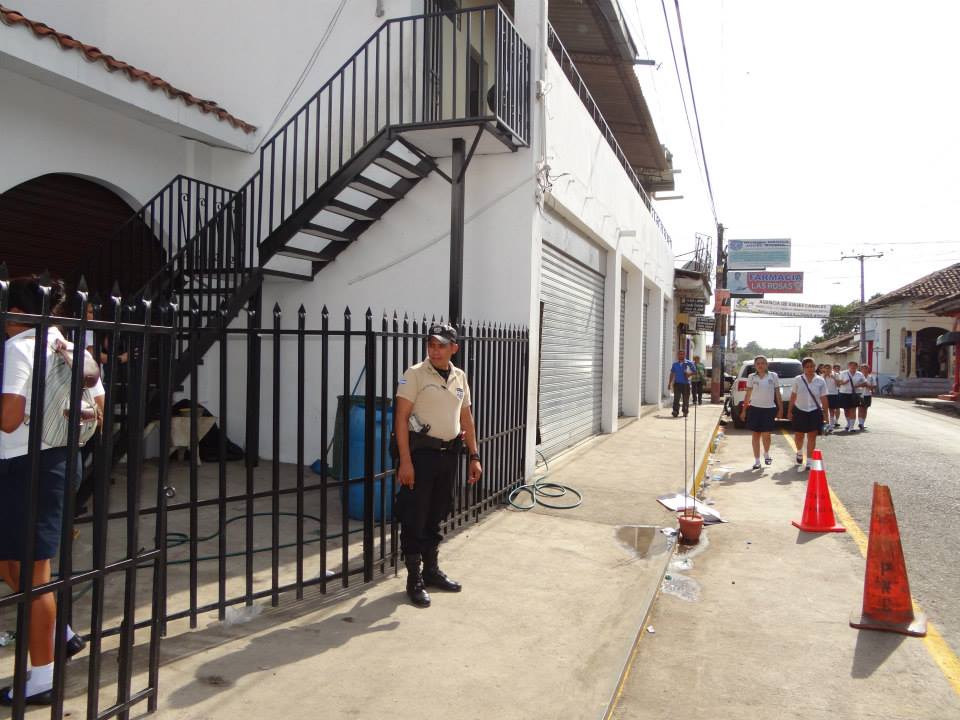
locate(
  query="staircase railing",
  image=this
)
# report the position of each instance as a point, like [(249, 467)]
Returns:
[(432, 70), (150, 237)]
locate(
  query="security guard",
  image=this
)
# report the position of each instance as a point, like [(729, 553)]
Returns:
[(432, 424)]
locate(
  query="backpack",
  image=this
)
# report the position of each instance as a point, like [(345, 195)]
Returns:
[(56, 398)]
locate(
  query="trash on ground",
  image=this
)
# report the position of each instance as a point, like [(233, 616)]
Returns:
[(650, 629), (6, 638), (669, 532), (241, 615), (683, 587), (678, 502)]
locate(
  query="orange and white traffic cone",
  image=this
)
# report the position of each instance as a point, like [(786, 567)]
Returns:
[(817, 508), (887, 604)]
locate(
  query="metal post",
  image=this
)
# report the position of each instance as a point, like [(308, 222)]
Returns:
[(863, 311), (457, 200), (718, 328)]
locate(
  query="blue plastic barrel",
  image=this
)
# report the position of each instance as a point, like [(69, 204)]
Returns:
[(355, 465)]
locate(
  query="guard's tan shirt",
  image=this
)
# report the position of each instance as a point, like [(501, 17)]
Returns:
[(436, 402)]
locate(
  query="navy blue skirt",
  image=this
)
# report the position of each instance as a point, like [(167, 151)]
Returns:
[(761, 419), (14, 489)]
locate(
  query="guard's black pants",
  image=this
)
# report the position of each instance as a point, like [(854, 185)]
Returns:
[(681, 391), (421, 509)]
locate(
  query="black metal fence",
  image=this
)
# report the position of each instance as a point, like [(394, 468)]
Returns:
[(170, 540)]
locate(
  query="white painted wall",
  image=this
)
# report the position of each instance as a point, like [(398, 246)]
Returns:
[(899, 319)]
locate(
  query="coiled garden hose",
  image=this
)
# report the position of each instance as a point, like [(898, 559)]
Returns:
[(540, 489)]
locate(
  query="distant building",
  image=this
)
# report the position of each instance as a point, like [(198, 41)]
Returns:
[(902, 329), (837, 350)]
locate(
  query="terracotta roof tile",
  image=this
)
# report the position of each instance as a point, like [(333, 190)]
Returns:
[(937, 285), (111, 64)]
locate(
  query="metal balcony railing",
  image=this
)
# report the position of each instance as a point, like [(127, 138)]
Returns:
[(580, 87)]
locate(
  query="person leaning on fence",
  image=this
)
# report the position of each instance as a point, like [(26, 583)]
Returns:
[(761, 408), (680, 373), (809, 410), (26, 296), (433, 423)]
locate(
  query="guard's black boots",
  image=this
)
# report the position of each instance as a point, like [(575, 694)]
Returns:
[(434, 577), (415, 589)]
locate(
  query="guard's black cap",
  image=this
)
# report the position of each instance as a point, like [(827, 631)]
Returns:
[(443, 332)]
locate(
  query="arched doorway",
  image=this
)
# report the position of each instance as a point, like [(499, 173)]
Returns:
[(932, 362), (70, 226)]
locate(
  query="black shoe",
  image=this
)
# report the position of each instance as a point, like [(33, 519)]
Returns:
[(75, 646), (415, 588), (436, 578), (42, 698), (674, 414)]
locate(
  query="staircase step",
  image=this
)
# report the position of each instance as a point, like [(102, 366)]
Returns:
[(302, 254), (399, 166), (287, 275), (357, 213), (379, 190), (329, 233)]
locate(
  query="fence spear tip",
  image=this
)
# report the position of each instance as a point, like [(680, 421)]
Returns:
[(346, 313), (276, 308), (115, 290), (45, 278), (324, 312), (369, 314), (302, 311), (82, 285)]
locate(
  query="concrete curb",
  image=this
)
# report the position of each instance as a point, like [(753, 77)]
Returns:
[(651, 597)]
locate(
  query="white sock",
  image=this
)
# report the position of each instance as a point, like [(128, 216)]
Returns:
[(40, 680), (70, 633), (849, 424), (757, 460)]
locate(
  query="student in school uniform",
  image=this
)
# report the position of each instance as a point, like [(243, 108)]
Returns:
[(833, 400), (866, 395), (761, 408), (808, 410), (849, 383)]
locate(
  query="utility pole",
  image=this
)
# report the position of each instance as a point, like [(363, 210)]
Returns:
[(863, 311), (719, 330)]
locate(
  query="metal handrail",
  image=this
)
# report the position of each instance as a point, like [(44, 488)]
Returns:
[(583, 92)]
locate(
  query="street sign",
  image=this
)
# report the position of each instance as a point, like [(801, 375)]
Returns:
[(780, 308), (704, 323), (753, 284), (692, 305), (746, 254), (722, 306)]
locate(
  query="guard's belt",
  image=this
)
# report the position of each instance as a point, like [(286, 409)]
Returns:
[(418, 441)]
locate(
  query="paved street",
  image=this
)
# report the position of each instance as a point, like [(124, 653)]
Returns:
[(753, 622), (915, 451)]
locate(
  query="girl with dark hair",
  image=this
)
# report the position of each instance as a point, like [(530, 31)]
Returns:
[(26, 296)]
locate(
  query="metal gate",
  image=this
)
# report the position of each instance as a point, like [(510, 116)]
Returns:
[(571, 360), (646, 333), (623, 336)]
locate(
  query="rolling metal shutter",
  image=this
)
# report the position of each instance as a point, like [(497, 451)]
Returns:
[(643, 349), (571, 360), (623, 336)]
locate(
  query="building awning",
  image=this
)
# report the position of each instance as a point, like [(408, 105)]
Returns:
[(597, 38)]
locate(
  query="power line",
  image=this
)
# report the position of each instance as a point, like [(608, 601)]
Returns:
[(696, 115), (686, 111)]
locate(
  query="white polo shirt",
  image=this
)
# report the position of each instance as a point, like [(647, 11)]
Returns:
[(847, 387), (804, 399), (831, 382), (867, 390), (764, 389), (18, 380)]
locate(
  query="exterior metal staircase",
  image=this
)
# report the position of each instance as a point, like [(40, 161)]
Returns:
[(355, 149)]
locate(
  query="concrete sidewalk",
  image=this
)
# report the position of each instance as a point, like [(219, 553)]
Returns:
[(753, 623), (552, 604)]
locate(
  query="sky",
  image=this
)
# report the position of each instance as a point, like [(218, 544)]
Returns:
[(830, 123)]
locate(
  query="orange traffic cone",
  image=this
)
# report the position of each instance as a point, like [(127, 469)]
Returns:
[(817, 508), (886, 591)]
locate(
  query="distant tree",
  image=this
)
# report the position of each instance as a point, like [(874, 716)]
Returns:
[(843, 319), (752, 349)]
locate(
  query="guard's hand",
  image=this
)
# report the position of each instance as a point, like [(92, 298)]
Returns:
[(476, 470), (405, 474)]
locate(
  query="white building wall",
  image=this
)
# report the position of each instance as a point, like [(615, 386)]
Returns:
[(585, 184), (900, 319)]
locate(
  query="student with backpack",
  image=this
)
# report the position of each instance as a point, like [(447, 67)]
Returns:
[(26, 296), (808, 411)]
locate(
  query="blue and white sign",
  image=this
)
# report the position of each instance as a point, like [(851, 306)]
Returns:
[(758, 254)]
